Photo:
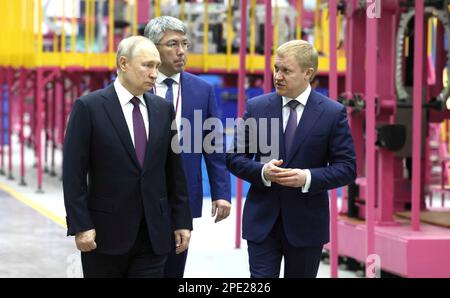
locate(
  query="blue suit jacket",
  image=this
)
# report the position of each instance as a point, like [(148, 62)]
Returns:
[(198, 95), (323, 144)]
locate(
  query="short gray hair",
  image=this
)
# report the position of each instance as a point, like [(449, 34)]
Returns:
[(128, 46), (156, 28)]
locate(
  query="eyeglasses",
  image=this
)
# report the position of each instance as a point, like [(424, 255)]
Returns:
[(175, 44)]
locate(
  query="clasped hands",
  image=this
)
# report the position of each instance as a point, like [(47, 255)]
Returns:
[(283, 176)]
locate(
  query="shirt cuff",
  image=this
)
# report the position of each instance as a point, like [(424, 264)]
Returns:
[(305, 188), (265, 182)]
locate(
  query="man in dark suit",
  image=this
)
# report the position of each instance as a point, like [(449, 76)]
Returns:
[(124, 188), (194, 102), (286, 212)]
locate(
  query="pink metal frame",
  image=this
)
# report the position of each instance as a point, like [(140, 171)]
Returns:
[(412, 251), (240, 111), (371, 83), (333, 91), (50, 87), (417, 114)]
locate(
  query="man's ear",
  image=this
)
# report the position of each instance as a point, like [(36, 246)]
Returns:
[(309, 74), (123, 63)]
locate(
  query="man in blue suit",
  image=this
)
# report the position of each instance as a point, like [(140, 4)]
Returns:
[(286, 212), (190, 96)]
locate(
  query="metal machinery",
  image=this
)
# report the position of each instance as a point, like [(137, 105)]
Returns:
[(395, 94)]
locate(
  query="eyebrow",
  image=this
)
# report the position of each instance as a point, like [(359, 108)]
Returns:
[(174, 39)]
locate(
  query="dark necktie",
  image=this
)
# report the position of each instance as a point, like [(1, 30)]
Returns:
[(291, 125), (140, 137), (169, 93)]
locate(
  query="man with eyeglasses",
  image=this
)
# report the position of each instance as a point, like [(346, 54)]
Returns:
[(190, 95)]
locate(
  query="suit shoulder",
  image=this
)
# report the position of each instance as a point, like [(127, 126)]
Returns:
[(91, 98), (196, 80), (329, 103), (260, 99)]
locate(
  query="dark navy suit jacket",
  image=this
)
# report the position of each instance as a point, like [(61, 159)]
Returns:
[(105, 186), (197, 95), (323, 144)]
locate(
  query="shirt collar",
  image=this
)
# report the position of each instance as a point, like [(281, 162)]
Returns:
[(124, 95), (302, 98), (161, 77)]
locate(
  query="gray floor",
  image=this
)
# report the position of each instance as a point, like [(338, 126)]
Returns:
[(32, 245)]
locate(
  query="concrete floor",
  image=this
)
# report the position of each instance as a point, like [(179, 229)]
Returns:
[(32, 245)]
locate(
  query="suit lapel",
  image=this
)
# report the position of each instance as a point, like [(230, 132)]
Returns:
[(274, 110), (311, 113), (153, 113), (115, 114), (186, 94)]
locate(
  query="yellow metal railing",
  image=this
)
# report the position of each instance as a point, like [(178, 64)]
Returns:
[(24, 44)]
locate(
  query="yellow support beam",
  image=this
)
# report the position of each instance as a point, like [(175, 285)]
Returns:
[(157, 8), (182, 10)]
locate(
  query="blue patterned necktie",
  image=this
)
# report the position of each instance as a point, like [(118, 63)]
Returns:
[(140, 137), (169, 93), (291, 126)]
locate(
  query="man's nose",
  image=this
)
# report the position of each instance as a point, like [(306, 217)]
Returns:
[(277, 75), (154, 73), (180, 50)]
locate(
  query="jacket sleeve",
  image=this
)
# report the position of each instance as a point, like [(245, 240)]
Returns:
[(75, 168), (219, 177), (341, 169), (176, 183), (240, 155)]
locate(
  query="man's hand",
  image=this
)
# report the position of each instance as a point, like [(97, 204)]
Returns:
[(272, 168), (282, 176), (222, 208), (291, 177), (182, 237), (85, 241)]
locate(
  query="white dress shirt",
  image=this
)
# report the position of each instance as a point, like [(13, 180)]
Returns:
[(303, 99), (161, 89), (127, 107)]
